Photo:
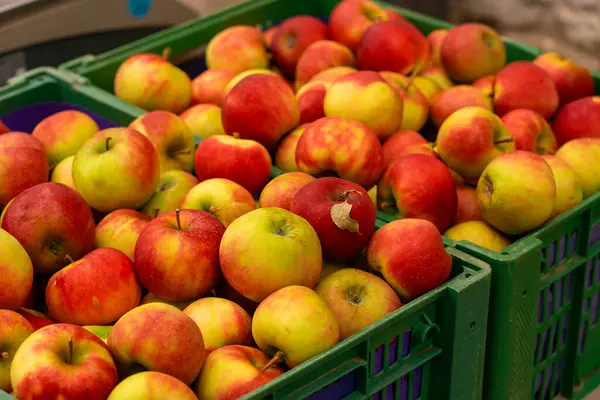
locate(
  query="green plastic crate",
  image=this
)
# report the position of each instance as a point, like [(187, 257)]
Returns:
[(519, 351)]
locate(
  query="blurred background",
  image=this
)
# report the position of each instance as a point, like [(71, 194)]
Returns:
[(50, 32)]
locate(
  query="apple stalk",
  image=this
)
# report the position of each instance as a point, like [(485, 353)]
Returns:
[(278, 357), (506, 140)]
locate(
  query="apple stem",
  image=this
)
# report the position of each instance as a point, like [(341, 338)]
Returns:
[(166, 53), (70, 356), (276, 359), (178, 220), (4, 354), (108, 139), (69, 259), (346, 195), (155, 212), (507, 140), (182, 151), (236, 135)]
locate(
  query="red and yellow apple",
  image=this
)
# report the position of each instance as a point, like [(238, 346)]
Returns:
[(572, 81), (237, 49), (405, 142), (177, 254), (437, 75), (331, 74), (157, 337), (310, 101), (435, 39), (16, 272), (170, 191), (296, 256), (222, 198), (276, 329), (583, 155), (285, 156), (14, 329), (24, 164), (531, 131), (480, 233), (151, 82), (569, 191), (120, 230), (467, 208), (63, 172), (117, 168), (416, 105), (146, 385), (428, 87), (321, 56), (208, 87), (204, 120), (410, 255), (281, 191), (51, 221), (578, 119), (37, 319), (455, 98)]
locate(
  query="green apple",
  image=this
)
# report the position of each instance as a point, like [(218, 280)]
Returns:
[(171, 189), (14, 329), (16, 272)]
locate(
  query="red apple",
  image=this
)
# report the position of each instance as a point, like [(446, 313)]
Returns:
[(322, 56), (341, 212), (208, 87), (351, 18), (14, 329), (292, 37), (396, 46), (260, 107), (51, 221), (157, 337), (120, 230), (435, 39), (419, 186), (467, 208), (232, 371), (63, 361), (572, 81), (310, 101), (96, 290), (578, 119), (176, 255), (410, 255), (522, 84), (405, 142), (455, 98), (37, 319), (24, 164), (246, 162), (531, 131)]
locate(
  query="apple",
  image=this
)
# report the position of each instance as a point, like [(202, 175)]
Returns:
[(232, 371), (321, 56), (222, 198), (410, 255), (578, 119), (285, 156), (96, 290), (435, 39), (3, 128), (273, 230), (63, 172), (157, 337), (522, 84), (281, 191), (268, 35), (152, 298), (16, 272), (276, 329), (225, 291), (341, 213), (531, 131), (149, 384), (151, 82), (366, 97), (318, 150), (171, 137), (357, 298), (177, 254), (467, 208), (117, 168), (395, 45), (237, 49), (583, 155), (14, 329), (243, 161), (37, 319), (470, 138), (569, 191), (24, 164), (331, 74), (439, 76), (63, 133), (419, 186), (242, 75), (310, 101), (102, 331), (171, 189), (572, 81), (63, 361), (203, 120), (516, 192), (350, 19), (260, 107), (292, 38), (405, 142), (221, 321), (208, 87), (416, 105), (120, 230), (471, 51), (455, 98), (51, 221), (480, 233), (428, 87)]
